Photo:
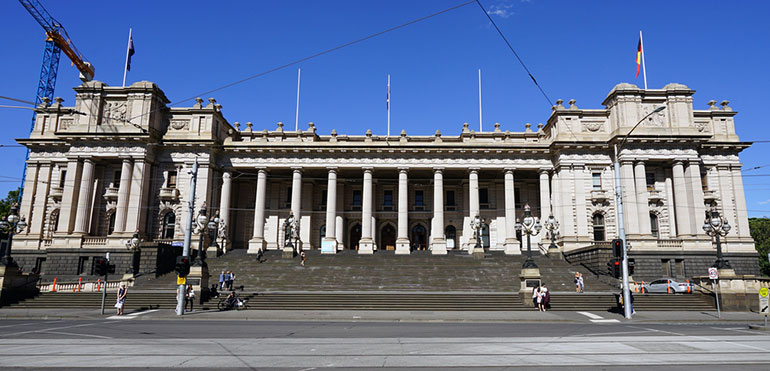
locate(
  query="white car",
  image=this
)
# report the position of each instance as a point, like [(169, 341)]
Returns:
[(668, 286)]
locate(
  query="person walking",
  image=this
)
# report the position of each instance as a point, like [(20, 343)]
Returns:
[(259, 256), (222, 281), (577, 282), (546, 298), (231, 280), (189, 297), (581, 283), (302, 257), (535, 296), (121, 300)]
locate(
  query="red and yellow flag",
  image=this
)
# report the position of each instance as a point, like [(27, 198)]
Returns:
[(638, 56)]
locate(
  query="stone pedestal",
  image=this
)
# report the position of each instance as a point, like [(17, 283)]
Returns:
[(199, 278), (530, 278), (438, 247), (288, 252), (736, 292), (366, 246), (256, 244), (402, 247), (15, 285), (512, 247), (329, 246)]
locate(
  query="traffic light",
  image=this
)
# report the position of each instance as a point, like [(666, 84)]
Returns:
[(182, 266), (613, 268), (101, 266), (617, 248)]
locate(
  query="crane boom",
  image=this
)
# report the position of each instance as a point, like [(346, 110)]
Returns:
[(56, 33)]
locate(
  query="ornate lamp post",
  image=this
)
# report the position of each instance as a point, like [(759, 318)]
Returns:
[(552, 226), (531, 226), (133, 245), (477, 224), (716, 226), (11, 225), (217, 228), (202, 227)]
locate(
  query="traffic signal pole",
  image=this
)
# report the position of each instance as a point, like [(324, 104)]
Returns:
[(622, 236), (104, 291), (188, 233)]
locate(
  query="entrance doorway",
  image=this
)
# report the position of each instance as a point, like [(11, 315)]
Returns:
[(451, 237), (388, 237), (419, 237), (355, 237)]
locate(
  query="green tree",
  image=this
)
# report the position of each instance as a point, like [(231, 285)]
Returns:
[(5, 204), (760, 232)]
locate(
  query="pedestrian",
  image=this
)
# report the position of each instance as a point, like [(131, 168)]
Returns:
[(214, 293), (577, 282), (259, 256), (222, 281), (535, 296), (121, 300), (230, 278), (546, 298), (581, 283), (302, 256), (189, 297), (622, 304)]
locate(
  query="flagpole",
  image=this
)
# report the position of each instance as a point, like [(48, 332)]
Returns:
[(128, 46), (480, 126), (644, 70), (296, 116), (388, 105)]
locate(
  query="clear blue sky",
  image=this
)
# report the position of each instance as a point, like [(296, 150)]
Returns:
[(575, 50)]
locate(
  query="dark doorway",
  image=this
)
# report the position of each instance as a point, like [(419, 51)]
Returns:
[(419, 238), (388, 237), (485, 236), (451, 237), (355, 237)]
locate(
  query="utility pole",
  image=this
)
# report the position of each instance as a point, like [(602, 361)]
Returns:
[(188, 233), (104, 291)]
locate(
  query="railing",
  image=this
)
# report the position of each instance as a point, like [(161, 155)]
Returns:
[(167, 241), (94, 241), (80, 286), (670, 244)]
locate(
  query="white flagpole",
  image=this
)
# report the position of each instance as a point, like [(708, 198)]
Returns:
[(128, 46), (296, 116), (644, 70), (388, 105), (480, 126)]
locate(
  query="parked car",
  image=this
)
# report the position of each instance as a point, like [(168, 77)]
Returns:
[(668, 285)]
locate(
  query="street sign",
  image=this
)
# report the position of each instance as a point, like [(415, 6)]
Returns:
[(181, 280), (764, 301), (713, 273)]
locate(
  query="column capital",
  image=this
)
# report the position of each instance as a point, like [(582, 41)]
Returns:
[(438, 169), (297, 169), (509, 170), (639, 161), (332, 169), (261, 169), (88, 160), (403, 169), (473, 170), (226, 175), (367, 169), (677, 162), (626, 162), (543, 170)]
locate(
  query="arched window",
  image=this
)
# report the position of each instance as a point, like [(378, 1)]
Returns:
[(599, 234), (451, 237), (111, 224), (654, 224), (169, 224)]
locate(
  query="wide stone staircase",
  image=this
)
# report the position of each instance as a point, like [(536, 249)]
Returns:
[(384, 281)]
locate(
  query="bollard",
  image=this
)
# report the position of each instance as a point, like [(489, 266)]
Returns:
[(636, 288), (80, 279), (668, 286), (642, 287), (53, 287), (98, 284), (688, 286)]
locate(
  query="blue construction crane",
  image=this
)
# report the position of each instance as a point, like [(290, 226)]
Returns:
[(57, 40)]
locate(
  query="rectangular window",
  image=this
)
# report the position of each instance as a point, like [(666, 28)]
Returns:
[(650, 181), (388, 198), (450, 198), (63, 179), (83, 265), (483, 196), (116, 180), (288, 195), (597, 181), (39, 262), (172, 179), (517, 198), (665, 267), (704, 182), (324, 198), (357, 197), (419, 198)]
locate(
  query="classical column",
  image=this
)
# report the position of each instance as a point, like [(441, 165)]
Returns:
[(224, 206), (33, 188), (629, 197), (85, 198), (642, 199), (366, 244), (137, 199), (43, 187), (581, 209), (698, 208), (69, 199), (545, 195), (682, 201), (670, 204), (122, 206), (402, 238), (473, 207), (329, 243), (511, 243), (740, 204), (296, 193), (257, 241), (438, 240), (340, 222)]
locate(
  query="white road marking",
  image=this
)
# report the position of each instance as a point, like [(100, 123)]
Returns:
[(76, 334), (119, 317), (605, 321), (28, 323), (591, 315), (143, 312), (51, 329)]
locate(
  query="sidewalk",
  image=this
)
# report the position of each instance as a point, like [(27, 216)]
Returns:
[(387, 316)]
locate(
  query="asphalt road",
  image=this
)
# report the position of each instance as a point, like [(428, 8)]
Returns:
[(309, 345)]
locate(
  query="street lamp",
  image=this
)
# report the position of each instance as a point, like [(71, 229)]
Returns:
[(217, 229), (202, 227), (133, 245), (621, 222), (11, 225), (716, 226), (477, 224), (552, 225), (531, 226)]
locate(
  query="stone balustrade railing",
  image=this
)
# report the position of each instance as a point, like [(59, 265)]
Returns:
[(97, 286), (670, 244), (94, 241)]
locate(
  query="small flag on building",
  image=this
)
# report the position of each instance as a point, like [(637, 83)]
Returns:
[(638, 56), (130, 52), (387, 95)]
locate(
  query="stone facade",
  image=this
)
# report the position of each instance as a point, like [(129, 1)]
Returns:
[(118, 161)]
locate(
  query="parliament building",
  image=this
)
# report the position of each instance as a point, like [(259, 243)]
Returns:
[(119, 162)]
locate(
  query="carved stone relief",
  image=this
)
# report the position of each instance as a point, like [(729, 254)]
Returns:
[(115, 112)]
